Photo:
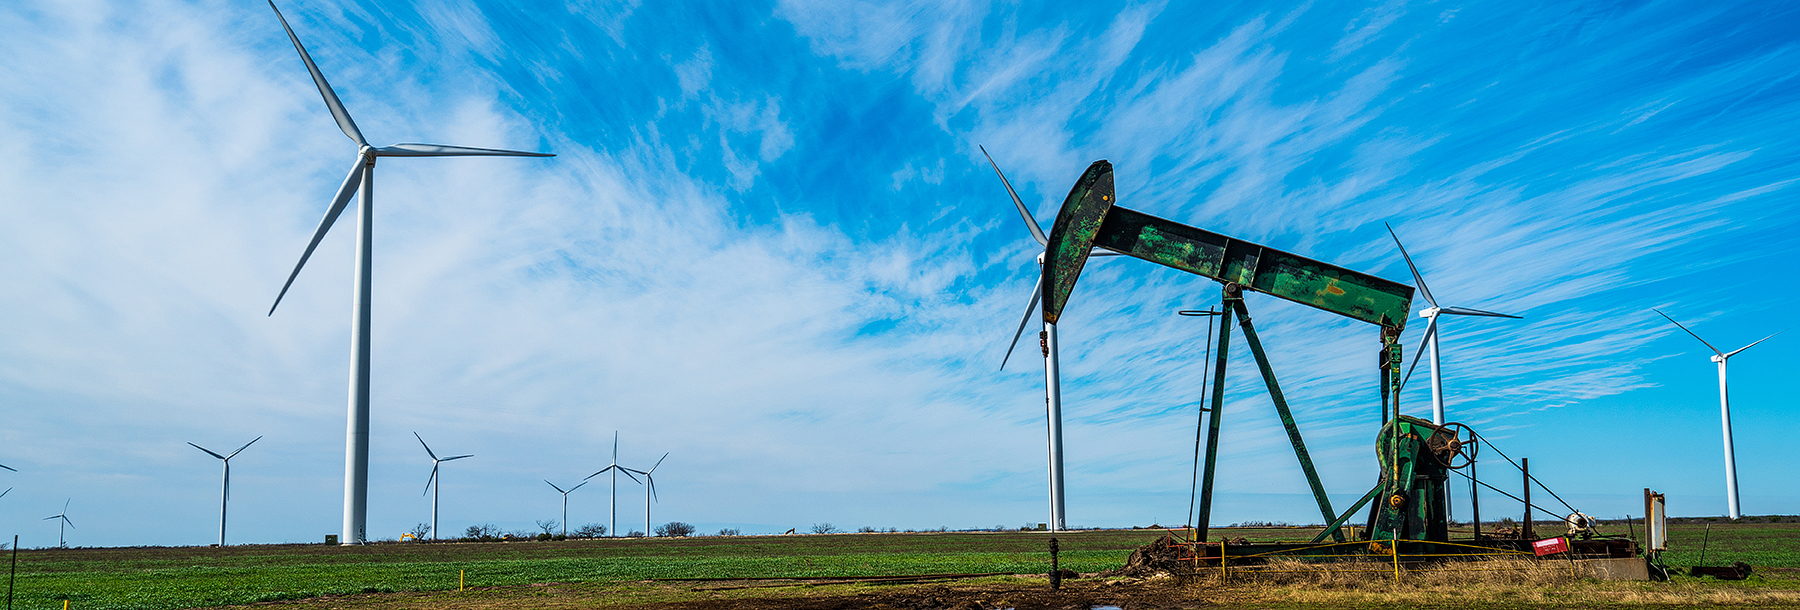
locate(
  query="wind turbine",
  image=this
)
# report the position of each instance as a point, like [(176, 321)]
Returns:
[(9, 489), (650, 490), (612, 498), (434, 484), (565, 496), (1431, 337), (1731, 490), (362, 177), (64, 516), (225, 488), (1052, 366)]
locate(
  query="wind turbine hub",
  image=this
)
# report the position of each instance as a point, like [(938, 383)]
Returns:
[(1429, 312), (1718, 358)]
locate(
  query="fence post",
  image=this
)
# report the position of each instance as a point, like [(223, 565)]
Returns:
[(1396, 556), (461, 584)]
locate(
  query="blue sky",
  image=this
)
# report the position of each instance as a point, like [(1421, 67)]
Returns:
[(770, 247)]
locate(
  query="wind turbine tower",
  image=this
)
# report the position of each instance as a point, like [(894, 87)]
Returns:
[(1431, 337), (1731, 488), (649, 490), (434, 483), (1052, 365), (565, 498), (361, 178), (64, 516), (225, 487), (612, 499)]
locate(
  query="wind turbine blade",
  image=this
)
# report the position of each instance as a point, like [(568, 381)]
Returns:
[(1036, 292), (351, 183), (652, 483), (1464, 311), (553, 486), (577, 486), (3, 493), (331, 98), (1096, 252), (50, 517), (457, 457), (412, 149), (615, 448), (1419, 354), (65, 519), (627, 472), (665, 456), (1418, 279), (9, 468), (602, 471), (429, 480), (66, 505), (208, 451), (1037, 232), (241, 449), (1754, 344), (1708, 345), (434, 456)]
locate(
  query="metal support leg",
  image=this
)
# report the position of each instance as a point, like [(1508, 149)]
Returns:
[(1218, 409), (1287, 417)]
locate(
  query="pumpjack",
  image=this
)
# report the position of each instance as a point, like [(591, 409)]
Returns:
[(1416, 457)]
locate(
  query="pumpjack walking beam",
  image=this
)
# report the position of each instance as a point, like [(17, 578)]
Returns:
[(1089, 218)]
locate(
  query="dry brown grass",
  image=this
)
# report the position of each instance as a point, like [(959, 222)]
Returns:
[(1491, 583)]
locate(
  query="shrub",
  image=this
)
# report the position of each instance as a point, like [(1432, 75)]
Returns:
[(674, 529), (548, 525), (483, 532), (591, 530), (823, 528), (730, 531), (420, 531), (634, 534)]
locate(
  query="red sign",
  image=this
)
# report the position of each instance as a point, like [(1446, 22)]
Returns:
[(1550, 546)]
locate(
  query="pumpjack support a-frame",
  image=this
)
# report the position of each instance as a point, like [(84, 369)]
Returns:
[(1090, 218)]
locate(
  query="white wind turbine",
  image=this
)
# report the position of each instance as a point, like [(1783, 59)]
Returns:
[(565, 498), (225, 487), (1731, 489), (1431, 337), (1052, 366), (612, 498), (434, 483), (362, 177), (64, 516), (649, 490)]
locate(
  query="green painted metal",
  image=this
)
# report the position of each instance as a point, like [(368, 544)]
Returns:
[(1287, 416), (1212, 430), (1089, 218), (1072, 237), (1413, 503), (1336, 526)]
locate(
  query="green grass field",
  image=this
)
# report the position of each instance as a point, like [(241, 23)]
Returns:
[(164, 578)]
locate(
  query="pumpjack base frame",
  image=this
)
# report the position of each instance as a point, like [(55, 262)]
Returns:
[(1208, 554)]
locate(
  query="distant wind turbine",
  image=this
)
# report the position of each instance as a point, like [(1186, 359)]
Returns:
[(64, 516), (565, 498), (649, 490), (1731, 489), (225, 487), (434, 483), (1431, 337), (362, 177), (613, 497)]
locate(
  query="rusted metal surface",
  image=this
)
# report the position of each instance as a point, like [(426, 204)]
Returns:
[(1072, 237), (1089, 218)]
